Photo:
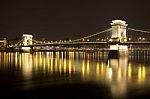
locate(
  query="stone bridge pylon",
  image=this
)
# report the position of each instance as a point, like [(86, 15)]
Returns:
[(118, 36)]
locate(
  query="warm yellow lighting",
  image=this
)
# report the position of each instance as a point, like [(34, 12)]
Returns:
[(56, 62), (70, 67), (102, 69), (119, 73), (83, 39), (143, 38), (141, 74), (83, 69), (129, 71), (97, 71), (25, 48), (60, 66), (52, 64), (27, 65), (88, 68), (97, 39), (65, 65), (129, 39), (144, 73)]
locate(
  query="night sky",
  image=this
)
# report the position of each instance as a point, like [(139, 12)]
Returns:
[(60, 19)]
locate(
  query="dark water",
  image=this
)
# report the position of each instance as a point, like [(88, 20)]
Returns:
[(74, 75)]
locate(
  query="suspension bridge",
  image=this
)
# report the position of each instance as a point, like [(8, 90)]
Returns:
[(118, 37)]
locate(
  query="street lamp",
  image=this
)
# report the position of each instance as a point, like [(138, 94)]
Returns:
[(83, 40), (88, 40), (139, 39), (97, 39), (143, 39), (130, 39)]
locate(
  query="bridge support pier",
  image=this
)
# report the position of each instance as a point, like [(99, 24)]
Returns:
[(123, 50), (26, 49), (117, 51)]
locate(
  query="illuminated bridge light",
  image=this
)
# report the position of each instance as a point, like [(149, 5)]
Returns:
[(129, 71), (97, 39), (141, 74)]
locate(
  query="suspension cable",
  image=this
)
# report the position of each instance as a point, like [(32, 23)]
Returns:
[(92, 35), (19, 42), (36, 41), (137, 30)]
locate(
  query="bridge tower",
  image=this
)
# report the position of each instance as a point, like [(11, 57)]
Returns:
[(27, 40), (119, 30), (118, 36)]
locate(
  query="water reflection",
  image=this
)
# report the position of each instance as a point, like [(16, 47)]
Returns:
[(27, 65), (120, 75)]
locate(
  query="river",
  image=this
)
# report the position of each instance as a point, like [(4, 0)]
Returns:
[(67, 74)]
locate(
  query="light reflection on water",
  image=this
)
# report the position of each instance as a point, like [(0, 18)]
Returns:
[(120, 75)]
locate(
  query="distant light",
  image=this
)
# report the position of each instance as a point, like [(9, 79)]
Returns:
[(129, 39), (83, 39), (143, 38)]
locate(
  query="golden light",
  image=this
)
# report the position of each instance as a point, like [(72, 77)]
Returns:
[(97, 39), (119, 73), (129, 71), (97, 71), (88, 68), (65, 66), (129, 39), (141, 74), (70, 67), (143, 38), (83, 69)]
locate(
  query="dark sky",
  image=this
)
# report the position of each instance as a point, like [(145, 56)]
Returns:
[(59, 19)]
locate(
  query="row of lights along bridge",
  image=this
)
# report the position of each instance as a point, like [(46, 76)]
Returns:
[(99, 40)]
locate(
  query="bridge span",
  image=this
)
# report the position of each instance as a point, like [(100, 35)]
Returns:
[(115, 38)]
